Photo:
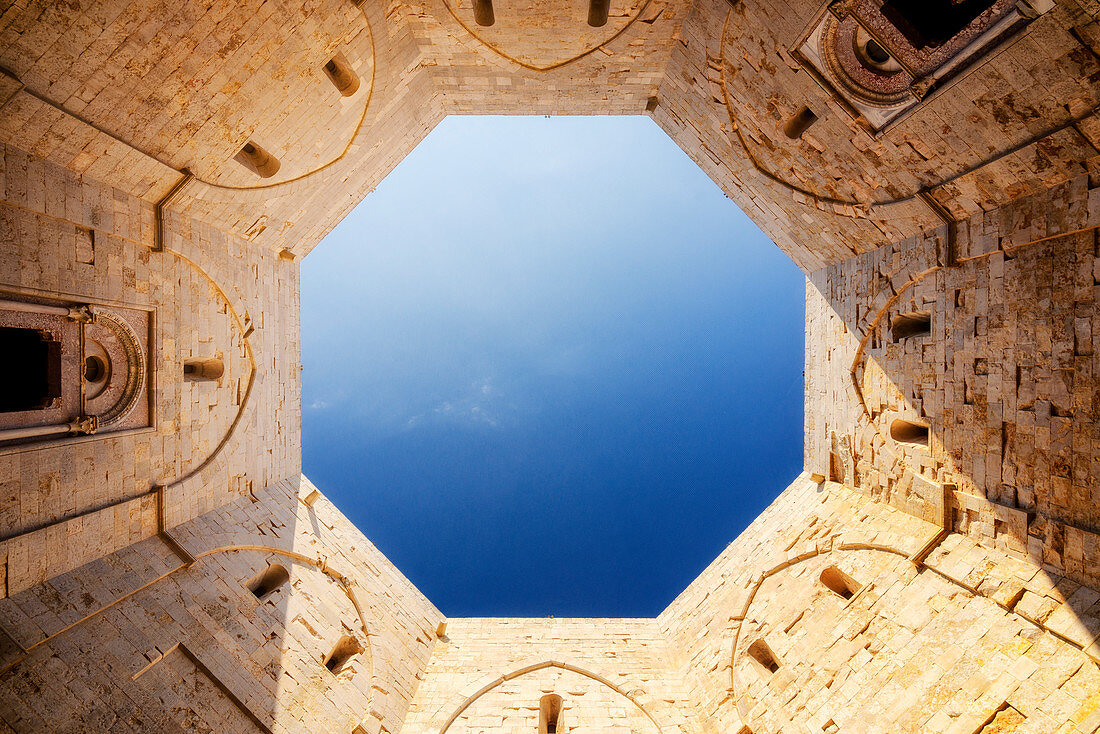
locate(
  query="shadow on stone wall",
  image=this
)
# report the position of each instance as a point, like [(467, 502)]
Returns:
[(1005, 379)]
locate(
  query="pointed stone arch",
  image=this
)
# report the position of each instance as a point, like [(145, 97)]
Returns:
[(491, 682)]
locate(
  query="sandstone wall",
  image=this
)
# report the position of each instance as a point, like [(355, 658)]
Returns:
[(1001, 131), (66, 502), (970, 562), (938, 646), (613, 675), (106, 92), (1006, 379), (140, 641)]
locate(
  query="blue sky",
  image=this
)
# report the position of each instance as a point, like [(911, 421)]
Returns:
[(550, 369)]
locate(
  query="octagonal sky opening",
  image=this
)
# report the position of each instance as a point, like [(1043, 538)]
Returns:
[(550, 368)]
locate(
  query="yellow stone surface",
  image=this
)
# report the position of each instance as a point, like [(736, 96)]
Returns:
[(180, 158)]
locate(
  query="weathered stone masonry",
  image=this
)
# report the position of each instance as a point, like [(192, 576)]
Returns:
[(933, 569)]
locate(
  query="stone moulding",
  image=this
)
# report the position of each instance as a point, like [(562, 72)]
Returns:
[(495, 681), (135, 368), (550, 64)]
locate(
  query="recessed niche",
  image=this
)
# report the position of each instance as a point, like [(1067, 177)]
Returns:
[(839, 582), (340, 73), (342, 654), (550, 718), (763, 655), (909, 325), (909, 432), (203, 370), (836, 468), (483, 12), (799, 123), (598, 11), (257, 160), (268, 580)]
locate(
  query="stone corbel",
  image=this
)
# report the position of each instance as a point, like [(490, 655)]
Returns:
[(81, 314), (84, 425), (842, 8), (921, 87)]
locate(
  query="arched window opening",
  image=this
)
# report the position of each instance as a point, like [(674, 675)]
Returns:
[(268, 580), (762, 654), (340, 73), (483, 12), (907, 325), (342, 654), (200, 370), (30, 371), (909, 432), (550, 718), (931, 23), (799, 123), (598, 11), (840, 583), (257, 160)]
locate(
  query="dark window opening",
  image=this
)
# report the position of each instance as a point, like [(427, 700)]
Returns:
[(839, 582), (875, 52), (268, 581), (907, 325), (342, 654), (799, 123), (762, 654), (483, 12), (904, 431), (30, 371), (550, 719), (931, 23), (598, 11)]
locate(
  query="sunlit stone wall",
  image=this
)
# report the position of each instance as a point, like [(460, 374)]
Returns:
[(126, 556)]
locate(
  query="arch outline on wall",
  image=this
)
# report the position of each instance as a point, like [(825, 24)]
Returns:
[(494, 681), (611, 38), (834, 546), (136, 370), (351, 138)]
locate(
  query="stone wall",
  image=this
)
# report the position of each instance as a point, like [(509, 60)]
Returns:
[(140, 641), (1001, 131), (490, 675), (107, 93), (1005, 380), (65, 502), (940, 645), (902, 583)]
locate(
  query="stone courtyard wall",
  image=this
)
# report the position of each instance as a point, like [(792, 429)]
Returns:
[(963, 592), (141, 641)]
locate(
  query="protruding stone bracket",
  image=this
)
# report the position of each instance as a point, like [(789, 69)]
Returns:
[(83, 314)]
